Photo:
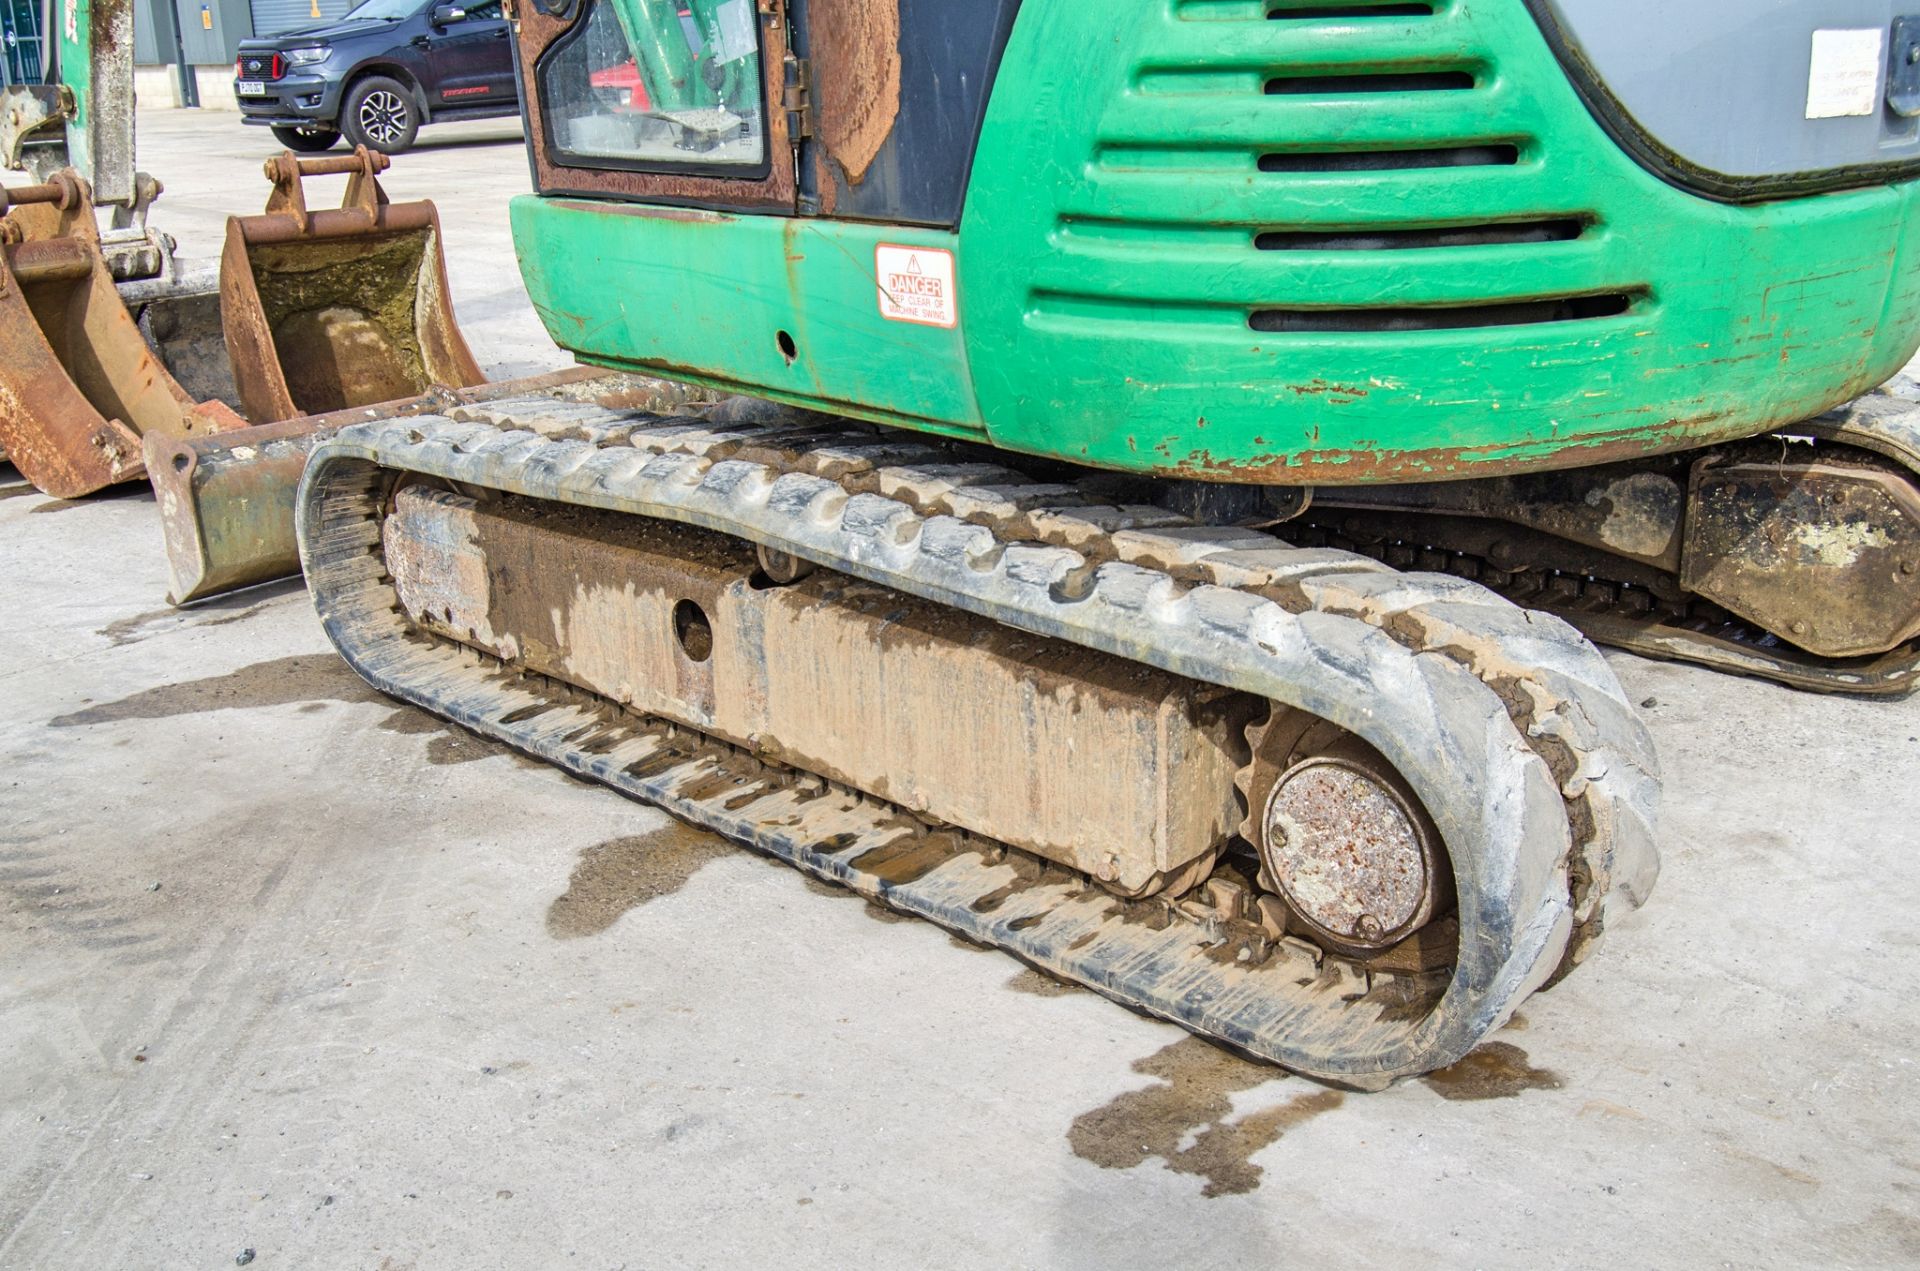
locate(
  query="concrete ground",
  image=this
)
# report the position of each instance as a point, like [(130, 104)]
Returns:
[(292, 971)]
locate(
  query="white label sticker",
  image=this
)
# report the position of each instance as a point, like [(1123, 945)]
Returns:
[(1845, 78), (916, 285)]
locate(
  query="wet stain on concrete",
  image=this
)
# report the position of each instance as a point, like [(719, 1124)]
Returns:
[(125, 631), (448, 743), (306, 677), (1040, 984), (880, 913), (624, 873), (1184, 1120), (1496, 1070), (57, 505), (872, 908)]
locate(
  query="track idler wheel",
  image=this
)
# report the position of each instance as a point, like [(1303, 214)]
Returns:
[(1343, 842)]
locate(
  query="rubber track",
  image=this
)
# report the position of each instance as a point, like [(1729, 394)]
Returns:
[(1508, 724)]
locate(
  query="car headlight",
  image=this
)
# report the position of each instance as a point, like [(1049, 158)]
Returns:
[(307, 57)]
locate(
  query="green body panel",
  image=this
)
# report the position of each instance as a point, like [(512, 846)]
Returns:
[(1108, 269), (72, 29), (705, 296)]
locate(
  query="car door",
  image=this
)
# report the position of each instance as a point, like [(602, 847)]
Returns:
[(472, 58)]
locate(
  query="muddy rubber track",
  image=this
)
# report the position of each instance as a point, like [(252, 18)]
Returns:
[(1508, 725)]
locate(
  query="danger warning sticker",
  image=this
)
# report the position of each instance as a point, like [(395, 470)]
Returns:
[(916, 285)]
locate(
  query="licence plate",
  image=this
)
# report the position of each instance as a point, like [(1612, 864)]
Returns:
[(249, 88)]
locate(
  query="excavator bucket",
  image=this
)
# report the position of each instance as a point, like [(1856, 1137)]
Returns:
[(341, 307), (79, 385)]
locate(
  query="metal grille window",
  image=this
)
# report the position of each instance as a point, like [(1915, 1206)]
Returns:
[(20, 37)]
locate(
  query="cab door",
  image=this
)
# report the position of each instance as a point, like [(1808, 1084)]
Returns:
[(472, 54), (673, 101)]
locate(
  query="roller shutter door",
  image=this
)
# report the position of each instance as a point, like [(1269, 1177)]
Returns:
[(271, 17)]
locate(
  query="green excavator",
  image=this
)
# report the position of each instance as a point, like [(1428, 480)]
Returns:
[(1137, 425)]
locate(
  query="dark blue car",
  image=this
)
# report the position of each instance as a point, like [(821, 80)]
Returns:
[(378, 74)]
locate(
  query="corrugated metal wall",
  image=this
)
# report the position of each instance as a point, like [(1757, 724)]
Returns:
[(209, 30)]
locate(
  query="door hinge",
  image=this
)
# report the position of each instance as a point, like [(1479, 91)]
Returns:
[(796, 98)]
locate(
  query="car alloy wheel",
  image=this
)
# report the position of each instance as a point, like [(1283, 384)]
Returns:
[(383, 117)]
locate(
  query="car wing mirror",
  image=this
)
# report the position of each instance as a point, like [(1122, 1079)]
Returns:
[(447, 14)]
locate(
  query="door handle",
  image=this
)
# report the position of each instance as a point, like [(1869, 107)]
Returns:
[(421, 42)]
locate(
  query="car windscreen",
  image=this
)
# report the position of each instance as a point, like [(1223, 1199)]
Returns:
[(387, 10)]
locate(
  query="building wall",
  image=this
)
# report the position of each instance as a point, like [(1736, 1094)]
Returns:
[(209, 32), (158, 87)]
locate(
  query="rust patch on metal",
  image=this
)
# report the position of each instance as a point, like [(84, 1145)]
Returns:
[(855, 49), (1383, 467), (1335, 393)]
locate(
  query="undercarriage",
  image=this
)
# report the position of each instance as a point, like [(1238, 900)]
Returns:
[(1338, 816), (1793, 557)]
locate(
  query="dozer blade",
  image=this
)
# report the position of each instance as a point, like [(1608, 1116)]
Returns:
[(227, 501), (341, 307), (1342, 818), (79, 386)]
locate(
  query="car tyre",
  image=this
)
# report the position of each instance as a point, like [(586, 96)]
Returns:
[(380, 114), (306, 140)]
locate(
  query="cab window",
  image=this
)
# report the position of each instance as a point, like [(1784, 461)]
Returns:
[(646, 83)]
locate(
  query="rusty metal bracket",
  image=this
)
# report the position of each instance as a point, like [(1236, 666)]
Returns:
[(33, 122), (79, 386), (338, 307)]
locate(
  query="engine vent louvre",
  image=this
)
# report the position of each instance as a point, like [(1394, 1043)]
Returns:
[(1302, 167), (1452, 318), (1504, 154), (1380, 240), (1334, 12), (1384, 82)]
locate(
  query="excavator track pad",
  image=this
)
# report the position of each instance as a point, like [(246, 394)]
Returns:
[(1341, 818)]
